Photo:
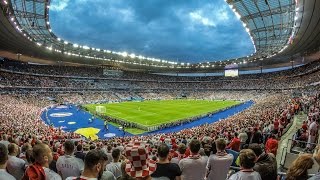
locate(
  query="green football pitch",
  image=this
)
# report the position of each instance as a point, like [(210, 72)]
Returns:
[(153, 113)]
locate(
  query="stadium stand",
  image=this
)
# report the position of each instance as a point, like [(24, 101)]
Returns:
[(272, 112)]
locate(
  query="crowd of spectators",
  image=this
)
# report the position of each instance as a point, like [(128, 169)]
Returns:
[(25, 136), (43, 77), (98, 72), (31, 149)]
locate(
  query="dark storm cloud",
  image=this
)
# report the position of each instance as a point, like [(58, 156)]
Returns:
[(181, 30)]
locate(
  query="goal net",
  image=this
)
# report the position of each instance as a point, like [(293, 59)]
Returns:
[(100, 109)]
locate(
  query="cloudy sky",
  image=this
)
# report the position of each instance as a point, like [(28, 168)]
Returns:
[(179, 30)]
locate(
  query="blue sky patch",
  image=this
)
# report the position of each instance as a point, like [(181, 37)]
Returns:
[(177, 30)]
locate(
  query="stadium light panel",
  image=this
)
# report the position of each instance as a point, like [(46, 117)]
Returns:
[(65, 42), (132, 55), (237, 14), (124, 54), (85, 47), (5, 2), (59, 39), (75, 45)]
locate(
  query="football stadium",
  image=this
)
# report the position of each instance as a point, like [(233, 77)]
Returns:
[(159, 89)]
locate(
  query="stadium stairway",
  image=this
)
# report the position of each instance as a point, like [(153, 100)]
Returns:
[(284, 143)]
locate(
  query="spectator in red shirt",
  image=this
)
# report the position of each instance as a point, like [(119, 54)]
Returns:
[(272, 145), (304, 125), (276, 126), (235, 143)]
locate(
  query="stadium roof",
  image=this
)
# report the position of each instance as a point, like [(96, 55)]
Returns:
[(281, 30)]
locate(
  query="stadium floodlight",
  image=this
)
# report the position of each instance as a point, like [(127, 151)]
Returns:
[(97, 49), (132, 55), (75, 45), (50, 30), (247, 29), (5, 2), (59, 39), (237, 14), (48, 22), (124, 54), (65, 42), (12, 19), (48, 6), (39, 44), (108, 51), (85, 47)]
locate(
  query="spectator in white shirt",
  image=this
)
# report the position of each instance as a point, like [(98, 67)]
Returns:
[(218, 164), (94, 164), (194, 166), (4, 140), (15, 166), (42, 155), (115, 165), (68, 165), (181, 150), (3, 162), (247, 160), (243, 136), (313, 131)]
